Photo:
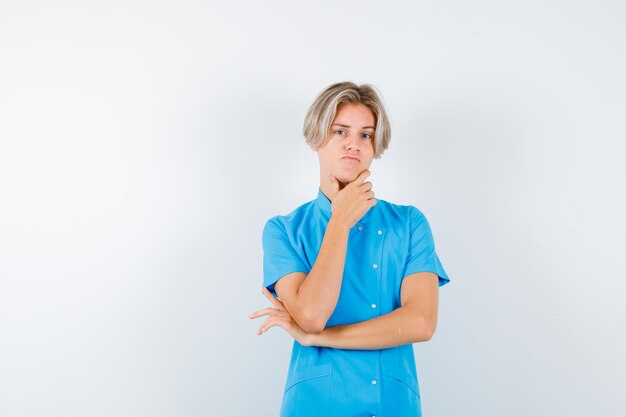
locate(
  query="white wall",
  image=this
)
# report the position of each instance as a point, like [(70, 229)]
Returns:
[(144, 144)]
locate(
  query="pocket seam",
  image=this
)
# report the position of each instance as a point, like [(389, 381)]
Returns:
[(404, 377), (313, 372)]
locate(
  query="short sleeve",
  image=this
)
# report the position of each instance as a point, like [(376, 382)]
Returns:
[(279, 255), (422, 256)]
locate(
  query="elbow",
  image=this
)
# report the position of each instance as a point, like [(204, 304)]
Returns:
[(313, 328), (312, 324), (427, 334), (425, 330), (310, 318)]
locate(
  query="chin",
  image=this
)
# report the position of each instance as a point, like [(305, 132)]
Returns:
[(346, 180), (347, 175)]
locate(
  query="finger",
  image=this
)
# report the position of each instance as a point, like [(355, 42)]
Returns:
[(259, 330), (361, 178), (266, 325), (366, 186), (264, 312), (271, 322), (278, 304), (274, 312)]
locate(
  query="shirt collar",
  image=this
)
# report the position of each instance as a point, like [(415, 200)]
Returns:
[(323, 202), (325, 205)]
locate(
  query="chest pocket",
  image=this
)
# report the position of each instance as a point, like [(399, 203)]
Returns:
[(307, 392)]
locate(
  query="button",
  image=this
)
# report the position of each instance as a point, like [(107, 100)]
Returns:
[(374, 382), (373, 305), (375, 266), (380, 232), (360, 228)]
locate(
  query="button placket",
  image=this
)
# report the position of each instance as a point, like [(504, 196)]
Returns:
[(379, 236), (380, 233)]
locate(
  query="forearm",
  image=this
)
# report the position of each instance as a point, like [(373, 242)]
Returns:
[(399, 327), (319, 292)]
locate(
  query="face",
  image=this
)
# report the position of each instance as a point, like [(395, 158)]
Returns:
[(349, 147)]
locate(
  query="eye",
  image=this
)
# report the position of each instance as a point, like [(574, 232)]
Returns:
[(367, 136), (339, 131)]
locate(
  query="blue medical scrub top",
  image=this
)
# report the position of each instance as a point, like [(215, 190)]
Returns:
[(389, 242)]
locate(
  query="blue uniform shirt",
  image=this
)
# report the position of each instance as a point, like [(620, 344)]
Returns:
[(389, 242)]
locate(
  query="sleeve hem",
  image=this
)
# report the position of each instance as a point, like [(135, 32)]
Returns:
[(443, 277), (269, 284)]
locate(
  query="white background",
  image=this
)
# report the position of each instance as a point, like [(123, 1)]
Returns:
[(143, 145)]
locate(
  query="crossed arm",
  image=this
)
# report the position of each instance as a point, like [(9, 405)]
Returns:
[(414, 321)]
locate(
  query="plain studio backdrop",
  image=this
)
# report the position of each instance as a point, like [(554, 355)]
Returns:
[(143, 145)]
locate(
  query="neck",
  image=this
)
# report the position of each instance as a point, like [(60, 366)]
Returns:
[(327, 187)]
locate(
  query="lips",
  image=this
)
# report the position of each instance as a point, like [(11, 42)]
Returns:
[(351, 158)]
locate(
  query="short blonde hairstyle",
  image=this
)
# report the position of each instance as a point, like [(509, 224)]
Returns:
[(323, 110)]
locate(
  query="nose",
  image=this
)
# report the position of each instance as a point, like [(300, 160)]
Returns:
[(353, 143)]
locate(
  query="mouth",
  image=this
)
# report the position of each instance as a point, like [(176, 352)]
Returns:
[(351, 158)]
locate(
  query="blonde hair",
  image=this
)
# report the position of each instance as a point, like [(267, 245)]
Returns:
[(323, 110)]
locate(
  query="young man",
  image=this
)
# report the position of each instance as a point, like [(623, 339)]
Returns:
[(357, 278)]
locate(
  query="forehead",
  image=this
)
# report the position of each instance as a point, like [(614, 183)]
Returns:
[(354, 114)]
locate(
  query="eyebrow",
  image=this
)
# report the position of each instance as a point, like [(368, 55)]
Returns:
[(364, 127)]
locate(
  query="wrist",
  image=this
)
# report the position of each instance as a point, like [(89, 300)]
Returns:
[(314, 339), (337, 225)]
